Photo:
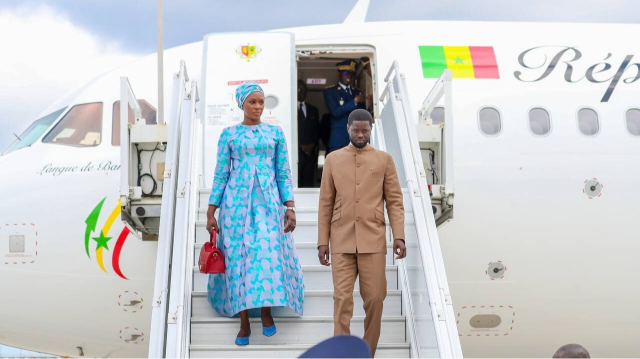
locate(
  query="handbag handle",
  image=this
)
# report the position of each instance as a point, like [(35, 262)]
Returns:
[(214, 238)]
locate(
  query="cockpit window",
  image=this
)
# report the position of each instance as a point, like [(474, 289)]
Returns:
[(80, 127), (148, 113), (33, 132)]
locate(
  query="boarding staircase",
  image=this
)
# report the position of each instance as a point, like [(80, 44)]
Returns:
[(212, 335), (418, 318)]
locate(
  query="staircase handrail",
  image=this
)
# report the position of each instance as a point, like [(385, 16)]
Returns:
[(165, 236), (432, 262), (184, 234)]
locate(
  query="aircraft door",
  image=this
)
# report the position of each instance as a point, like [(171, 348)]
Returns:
[(230, 60)]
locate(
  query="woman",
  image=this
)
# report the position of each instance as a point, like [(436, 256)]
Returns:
[(252, 181)]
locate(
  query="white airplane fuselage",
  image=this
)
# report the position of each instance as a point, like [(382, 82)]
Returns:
[(570, 257)]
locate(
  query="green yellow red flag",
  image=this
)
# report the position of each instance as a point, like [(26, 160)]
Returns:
[(464, 61)]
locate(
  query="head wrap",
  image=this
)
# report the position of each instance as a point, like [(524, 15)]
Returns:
[(243, 91)]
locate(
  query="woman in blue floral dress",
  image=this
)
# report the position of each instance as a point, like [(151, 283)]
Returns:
[(253, 189)]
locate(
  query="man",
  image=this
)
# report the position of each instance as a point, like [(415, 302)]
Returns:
[(308, 136), (356, 182), (341, 99), (572, 351)]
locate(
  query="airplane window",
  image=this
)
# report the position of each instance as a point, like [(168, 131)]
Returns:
[(437, 115), (33, 132), (148, 113), (633, 121), (489, 121), (80, 127), (539, 121), (588, 122)]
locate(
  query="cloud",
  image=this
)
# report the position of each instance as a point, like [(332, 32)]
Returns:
[(44, 56), (593, 11)]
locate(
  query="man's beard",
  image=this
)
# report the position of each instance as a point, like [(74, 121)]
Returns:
[(356, 145)]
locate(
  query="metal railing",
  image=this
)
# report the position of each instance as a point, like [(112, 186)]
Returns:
[(430, 259), (165, 236), (179, 308)]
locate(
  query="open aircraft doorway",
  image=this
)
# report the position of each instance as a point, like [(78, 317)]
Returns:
[(318, 72)]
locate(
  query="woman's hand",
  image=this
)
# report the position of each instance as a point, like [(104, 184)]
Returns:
[(289, 221), (212, 224)]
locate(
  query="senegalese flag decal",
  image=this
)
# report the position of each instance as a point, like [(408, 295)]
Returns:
[(468, 62), (102, 240)]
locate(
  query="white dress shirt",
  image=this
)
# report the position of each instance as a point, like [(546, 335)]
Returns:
[(303, 106)]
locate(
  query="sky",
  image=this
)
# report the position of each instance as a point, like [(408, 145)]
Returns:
[(48, 48)]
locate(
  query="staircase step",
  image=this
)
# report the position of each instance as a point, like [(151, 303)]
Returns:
[(307, 253), (316, 303), (306, 231), (300, 330), (316, 277), (282, 351)]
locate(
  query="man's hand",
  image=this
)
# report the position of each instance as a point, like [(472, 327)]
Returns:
[(359, 98), (323, 255), (399, 248)]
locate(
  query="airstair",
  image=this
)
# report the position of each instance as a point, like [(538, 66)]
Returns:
[(418, 318)]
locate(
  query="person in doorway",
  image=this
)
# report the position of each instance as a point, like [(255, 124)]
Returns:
[(341, 99), (252, 187), (308, 138), (571, 351), (365, 81), (356, 182)]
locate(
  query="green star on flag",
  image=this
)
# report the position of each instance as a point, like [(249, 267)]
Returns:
[(102, 241), (458, 60)]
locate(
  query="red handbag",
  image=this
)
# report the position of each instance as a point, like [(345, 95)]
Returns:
[(211, 259)]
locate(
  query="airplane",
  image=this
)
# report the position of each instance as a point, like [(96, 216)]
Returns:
[(546, 134)]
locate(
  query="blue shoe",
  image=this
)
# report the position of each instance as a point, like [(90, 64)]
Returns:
[(269, 331), (242, 341)]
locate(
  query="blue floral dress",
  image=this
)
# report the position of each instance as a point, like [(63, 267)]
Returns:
[(252, 181)]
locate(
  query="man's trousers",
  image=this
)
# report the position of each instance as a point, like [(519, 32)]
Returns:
[(371, 268)]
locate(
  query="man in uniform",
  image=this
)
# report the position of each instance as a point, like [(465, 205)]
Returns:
[(308, 137), (356, 182), (341, 99)]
